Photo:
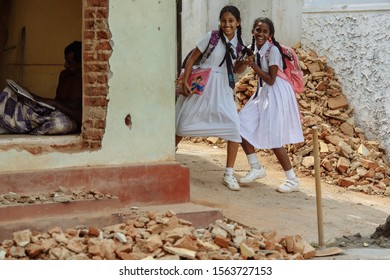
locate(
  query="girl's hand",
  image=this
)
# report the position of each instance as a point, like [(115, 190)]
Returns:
[(186, 89), (241, 65), (249, 60)]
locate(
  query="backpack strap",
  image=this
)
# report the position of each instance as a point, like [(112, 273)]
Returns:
[(214, 39), (268, 52), (280, 73), (213, 42)]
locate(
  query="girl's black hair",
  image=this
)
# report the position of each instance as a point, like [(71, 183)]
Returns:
[(236, 13), (272, 35), (253, 43)]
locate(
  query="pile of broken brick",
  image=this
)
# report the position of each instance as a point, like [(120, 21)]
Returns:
[(154, 235), (348, 159)]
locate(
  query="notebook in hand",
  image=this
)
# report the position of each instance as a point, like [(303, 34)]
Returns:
[(18, 89)]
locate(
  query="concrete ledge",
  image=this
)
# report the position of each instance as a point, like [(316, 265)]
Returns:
[(134, 185), (92, 213), (143, 183), (19, 212), (360, 254)]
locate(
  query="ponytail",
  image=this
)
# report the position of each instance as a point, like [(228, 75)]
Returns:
[(239, 31), (222, 36)]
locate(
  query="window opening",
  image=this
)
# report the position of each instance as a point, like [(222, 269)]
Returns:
[(32, 53)]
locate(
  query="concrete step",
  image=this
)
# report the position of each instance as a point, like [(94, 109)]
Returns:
[(97, 213), (360, 254)]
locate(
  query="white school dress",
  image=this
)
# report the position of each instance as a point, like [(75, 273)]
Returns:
[(213, 114), (271, 119)]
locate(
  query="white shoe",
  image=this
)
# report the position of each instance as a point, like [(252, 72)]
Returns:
[(230, 182), (253, 175), (289, 186)]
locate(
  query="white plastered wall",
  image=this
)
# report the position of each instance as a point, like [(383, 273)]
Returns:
[(355, 38), (200, 16)]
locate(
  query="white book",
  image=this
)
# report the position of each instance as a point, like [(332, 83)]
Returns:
[(18, 89)]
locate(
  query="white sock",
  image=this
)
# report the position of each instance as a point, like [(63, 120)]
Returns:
[(229, 171), (253, 161), (290, 175)]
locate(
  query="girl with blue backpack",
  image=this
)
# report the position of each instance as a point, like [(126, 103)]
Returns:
[(214, 113), (271, 118)]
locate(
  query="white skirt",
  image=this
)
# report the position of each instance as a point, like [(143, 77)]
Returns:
[(213, 114), (272, 119)]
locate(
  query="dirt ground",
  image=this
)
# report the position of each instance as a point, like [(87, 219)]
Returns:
[(349, 218)]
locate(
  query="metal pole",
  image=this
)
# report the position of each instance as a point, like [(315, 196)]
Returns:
[(318, 187)]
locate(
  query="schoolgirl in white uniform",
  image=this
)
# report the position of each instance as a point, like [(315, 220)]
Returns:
[(214, 113), (270, 119)]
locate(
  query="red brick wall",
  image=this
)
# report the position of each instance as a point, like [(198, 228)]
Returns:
[(96, 54)]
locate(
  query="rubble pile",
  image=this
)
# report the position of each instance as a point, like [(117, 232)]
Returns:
[(154, 235), (348, 159)]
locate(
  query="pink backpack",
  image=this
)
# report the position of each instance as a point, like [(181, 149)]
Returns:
[(293, 73)]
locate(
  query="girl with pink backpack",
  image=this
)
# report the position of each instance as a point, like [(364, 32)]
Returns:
[(271, 118)]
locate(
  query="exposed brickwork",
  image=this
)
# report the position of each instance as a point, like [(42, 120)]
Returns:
[(97, 50)]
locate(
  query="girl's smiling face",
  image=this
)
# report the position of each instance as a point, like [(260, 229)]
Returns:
[(229, 24), (261, 32)]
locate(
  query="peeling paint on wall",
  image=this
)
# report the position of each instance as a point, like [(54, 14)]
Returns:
[(357, 47)]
